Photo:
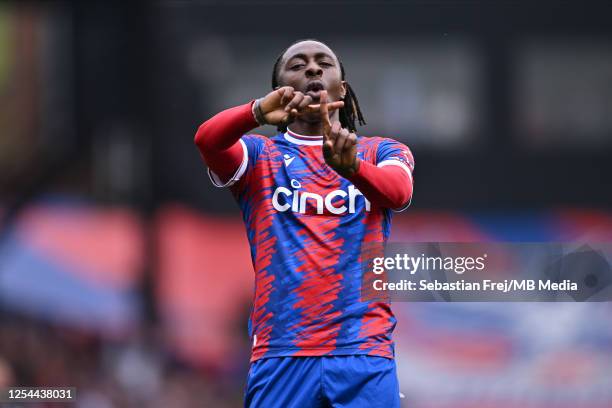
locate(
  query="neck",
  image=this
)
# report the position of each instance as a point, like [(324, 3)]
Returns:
[(311, 126)]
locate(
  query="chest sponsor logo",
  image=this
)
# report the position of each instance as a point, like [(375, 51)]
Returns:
[(297, 200)]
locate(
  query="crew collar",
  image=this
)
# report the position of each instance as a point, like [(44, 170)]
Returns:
[(296, 138)]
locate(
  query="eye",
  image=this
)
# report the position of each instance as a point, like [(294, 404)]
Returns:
[(296, 67), (325, 64)]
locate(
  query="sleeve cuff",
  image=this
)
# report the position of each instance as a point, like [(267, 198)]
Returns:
[(396, 163), (217, 182), (407, 169)]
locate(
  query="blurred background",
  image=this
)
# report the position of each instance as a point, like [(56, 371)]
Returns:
[(125, 273)]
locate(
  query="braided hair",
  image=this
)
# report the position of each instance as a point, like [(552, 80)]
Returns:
[(348, 114)]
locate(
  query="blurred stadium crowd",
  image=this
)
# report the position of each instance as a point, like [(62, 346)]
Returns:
[(124, 273), (128, 373)]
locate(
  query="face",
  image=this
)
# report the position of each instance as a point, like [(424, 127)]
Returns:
[(310, 67)]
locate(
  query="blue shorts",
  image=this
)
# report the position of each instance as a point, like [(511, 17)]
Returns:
[(320, 382)]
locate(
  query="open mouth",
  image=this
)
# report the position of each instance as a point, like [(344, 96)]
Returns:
[(314, 88)]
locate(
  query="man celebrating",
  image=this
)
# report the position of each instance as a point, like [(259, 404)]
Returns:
[(312, 197)]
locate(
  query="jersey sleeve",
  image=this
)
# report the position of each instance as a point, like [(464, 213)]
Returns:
[(390, 152), (252, 147)]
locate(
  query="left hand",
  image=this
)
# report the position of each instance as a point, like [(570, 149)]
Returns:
[(339, 145), (283, 105)]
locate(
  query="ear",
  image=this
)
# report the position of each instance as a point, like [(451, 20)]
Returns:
[(343, 89)]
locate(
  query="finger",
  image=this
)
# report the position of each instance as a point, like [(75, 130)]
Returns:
[(341, 140), (335, 130), (331, 106), (289, 118), (349, 154), (323, 102), (328, 150), (286, 95), (324, 110), (306, 101), (281, 91), (297, 98)]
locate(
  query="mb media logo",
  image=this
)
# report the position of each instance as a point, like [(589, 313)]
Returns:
[(586, 266)]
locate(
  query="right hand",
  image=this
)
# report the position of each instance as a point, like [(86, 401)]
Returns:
[(283, 105), (339, 145)]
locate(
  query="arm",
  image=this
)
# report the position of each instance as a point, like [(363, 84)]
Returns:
[(387, 187), (218, 139)]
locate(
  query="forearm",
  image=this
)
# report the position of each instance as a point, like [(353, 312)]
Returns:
[(387, 187), (218, 138)]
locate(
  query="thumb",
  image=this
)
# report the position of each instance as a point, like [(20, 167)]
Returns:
[(275, 98), (328, 149)]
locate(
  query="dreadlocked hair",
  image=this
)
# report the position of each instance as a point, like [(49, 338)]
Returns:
[(348, 114)]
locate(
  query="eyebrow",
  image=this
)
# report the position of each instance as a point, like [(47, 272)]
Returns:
[(305, 57)]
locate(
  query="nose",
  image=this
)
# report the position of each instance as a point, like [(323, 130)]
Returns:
[(313, 70)]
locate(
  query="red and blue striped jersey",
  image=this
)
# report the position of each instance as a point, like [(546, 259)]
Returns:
[(306, 226)]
